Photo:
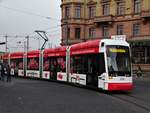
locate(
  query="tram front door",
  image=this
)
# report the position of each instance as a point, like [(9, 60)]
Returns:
[(101, 81)]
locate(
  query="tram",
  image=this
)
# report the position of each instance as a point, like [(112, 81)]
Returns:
[(103, 63)]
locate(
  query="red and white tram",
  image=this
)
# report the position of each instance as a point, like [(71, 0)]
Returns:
[(103, 64)]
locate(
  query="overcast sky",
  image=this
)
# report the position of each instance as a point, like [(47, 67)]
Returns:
[(23, 17)]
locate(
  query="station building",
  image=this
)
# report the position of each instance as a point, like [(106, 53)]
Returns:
[(84, 20)]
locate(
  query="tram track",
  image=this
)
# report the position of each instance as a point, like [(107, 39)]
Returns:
[(138, 102), (123, 96), (139, 98)]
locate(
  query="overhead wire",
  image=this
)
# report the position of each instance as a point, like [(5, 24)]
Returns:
[(30, 34), (57, 26), (29, 13)]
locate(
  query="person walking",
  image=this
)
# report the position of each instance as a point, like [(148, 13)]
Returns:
[(8, 73), (1, 71), (139, 72)]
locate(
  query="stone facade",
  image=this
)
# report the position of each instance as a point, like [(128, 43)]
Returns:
[(91, 19)]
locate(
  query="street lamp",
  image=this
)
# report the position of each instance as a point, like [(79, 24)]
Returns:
[(66, 31), (66, 41)]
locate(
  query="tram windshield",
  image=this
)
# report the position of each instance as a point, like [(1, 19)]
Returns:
[(118, 59)]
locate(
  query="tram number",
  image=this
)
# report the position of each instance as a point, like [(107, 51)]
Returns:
[(121, 78)]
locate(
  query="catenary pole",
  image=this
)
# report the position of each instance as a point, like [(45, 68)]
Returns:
[(6, 37)]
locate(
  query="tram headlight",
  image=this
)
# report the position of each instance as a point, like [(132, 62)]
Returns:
[(110, 77)]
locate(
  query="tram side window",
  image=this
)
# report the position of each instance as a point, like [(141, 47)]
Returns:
[(53, 64), (5, 61), (12, 64), (61, 64), (79, 64), (16, 64), (90, 63), (33, 64), (46, 64), (20, 65), (95, 63)]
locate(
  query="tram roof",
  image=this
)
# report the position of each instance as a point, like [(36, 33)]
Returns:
[(16, 55), (5, 56), (33, 54), (60, 51), (1, 56), (91, 46)]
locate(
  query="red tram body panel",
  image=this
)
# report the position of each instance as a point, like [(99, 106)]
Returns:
[(85, 48)]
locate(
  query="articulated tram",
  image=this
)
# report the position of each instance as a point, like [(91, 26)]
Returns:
[(103, 64)]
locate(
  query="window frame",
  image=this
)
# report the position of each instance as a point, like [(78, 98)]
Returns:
[(67, 12), (120, 8), (104, 30), (136, 29), (120, 29), (92, 32), (78, 11), (106, 9), (92, 11), (137, 6), (78, 33)]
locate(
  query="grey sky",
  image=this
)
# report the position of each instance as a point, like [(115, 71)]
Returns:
[(23, 17)]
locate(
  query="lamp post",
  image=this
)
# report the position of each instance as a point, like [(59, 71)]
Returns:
[(67, 49), (66, 31)]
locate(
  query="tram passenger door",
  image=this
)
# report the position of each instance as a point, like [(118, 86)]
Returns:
[(102, 72), (101, 80), (53, 70), (92, 74)]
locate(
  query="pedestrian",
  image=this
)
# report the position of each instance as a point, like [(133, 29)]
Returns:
[(8, 73), (139, 72), (1, 71)]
